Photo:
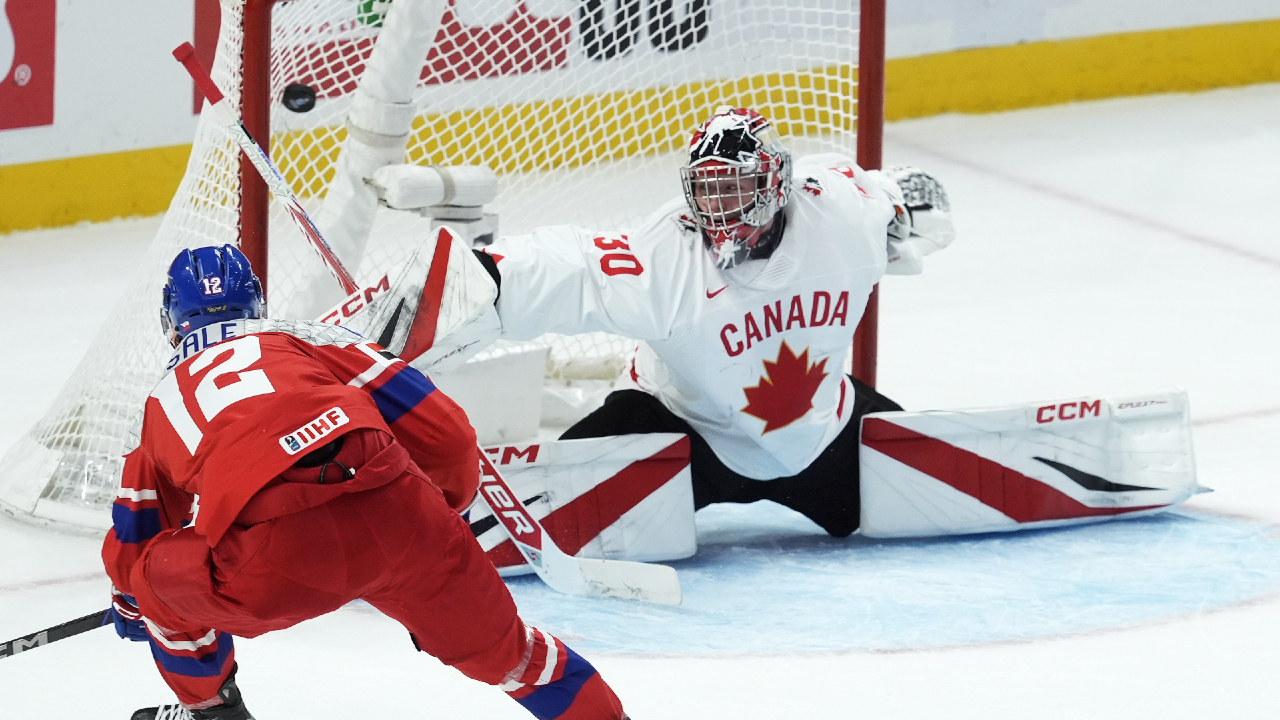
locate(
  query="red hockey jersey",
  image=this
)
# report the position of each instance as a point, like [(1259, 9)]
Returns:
[(244, 400)]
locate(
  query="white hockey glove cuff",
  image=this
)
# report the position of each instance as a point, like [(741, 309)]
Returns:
[(922, 224)]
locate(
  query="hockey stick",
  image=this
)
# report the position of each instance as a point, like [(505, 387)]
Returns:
[(99, 619), (563, 572), (560, 571), (279, 187)]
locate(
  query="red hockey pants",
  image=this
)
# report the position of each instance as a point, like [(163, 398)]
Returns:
[(393, 542)]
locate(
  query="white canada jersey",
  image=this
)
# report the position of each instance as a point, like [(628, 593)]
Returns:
[(751, 357)]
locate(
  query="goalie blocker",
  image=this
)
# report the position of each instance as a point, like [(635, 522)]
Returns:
[(1024, 466), (434, 309)]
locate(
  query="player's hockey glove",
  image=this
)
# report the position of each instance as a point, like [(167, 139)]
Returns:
[(922, 223), (126, 617)]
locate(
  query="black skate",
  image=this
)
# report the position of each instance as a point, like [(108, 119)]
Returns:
[(232, 707)]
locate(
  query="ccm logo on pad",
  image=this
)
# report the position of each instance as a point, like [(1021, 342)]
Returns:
[(1069, 411), (311, 433)]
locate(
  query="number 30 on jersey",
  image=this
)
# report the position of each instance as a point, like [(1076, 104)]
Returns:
[(617, 263)]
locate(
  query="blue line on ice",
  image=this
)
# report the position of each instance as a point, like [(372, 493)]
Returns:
[(767, 581)]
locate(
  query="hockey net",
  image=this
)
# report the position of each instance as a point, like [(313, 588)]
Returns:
[(581, 107)]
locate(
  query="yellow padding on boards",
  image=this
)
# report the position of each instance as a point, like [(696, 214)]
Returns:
[(142, 182), (93, 188), (822, 100), (1049, 73)]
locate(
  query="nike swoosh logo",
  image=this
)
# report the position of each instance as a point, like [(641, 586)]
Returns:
[(713, 294), (1090, 482)]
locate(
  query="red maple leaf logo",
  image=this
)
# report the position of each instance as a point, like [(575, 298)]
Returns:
[(785, 392)]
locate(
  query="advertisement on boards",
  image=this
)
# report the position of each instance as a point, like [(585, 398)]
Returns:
[(27, 33)]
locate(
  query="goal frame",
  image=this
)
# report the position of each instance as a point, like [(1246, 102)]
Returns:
[(255, 98)]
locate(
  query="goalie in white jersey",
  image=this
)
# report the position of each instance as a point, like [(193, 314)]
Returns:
[(745, 295)]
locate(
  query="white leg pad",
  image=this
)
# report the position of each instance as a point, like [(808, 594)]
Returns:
[(627, 497), (1026, 466)]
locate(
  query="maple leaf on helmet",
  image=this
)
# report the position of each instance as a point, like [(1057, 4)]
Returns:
[(737, 179), (785, 392)]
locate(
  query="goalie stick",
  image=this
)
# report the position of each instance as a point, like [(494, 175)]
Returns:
[(67, 629), (559, 570)]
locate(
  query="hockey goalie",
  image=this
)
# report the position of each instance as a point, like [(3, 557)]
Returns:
[(744, 295)]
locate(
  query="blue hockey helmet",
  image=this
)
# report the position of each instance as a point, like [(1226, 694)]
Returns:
[(208, 285)]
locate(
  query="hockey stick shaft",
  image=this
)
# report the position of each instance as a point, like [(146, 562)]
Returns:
[(275, 181), (55, 633)]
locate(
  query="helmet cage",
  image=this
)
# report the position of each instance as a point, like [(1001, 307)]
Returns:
[(737, 179), (724, 194)]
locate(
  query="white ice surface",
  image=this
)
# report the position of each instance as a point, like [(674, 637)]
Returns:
[(1110, 247)]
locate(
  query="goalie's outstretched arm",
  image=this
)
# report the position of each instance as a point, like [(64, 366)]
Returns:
[(571, 280)]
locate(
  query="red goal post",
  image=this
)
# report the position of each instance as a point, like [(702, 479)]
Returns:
[(871, 46)]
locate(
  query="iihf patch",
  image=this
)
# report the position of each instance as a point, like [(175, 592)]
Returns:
[(812, 185), (311, 433)]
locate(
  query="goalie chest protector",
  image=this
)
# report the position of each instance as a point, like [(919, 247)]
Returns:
[(751, 356)]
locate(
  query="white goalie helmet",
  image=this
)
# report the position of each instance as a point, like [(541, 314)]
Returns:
[(737, 179)]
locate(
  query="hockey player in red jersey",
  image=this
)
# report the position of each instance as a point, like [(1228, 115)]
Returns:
[(745, 295), (326, 470)]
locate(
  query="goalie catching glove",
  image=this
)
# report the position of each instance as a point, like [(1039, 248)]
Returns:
[(922, 223)]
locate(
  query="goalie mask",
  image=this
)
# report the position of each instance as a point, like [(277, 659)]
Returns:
[(209, 285), (737, 180)]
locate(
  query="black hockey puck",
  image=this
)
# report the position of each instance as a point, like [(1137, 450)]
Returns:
[(299, 98)]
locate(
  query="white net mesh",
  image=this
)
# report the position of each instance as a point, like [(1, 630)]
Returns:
[(581, 107)]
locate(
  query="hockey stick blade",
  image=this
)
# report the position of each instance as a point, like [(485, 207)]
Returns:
[(67, 629), (563, 572), (646, 582)]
